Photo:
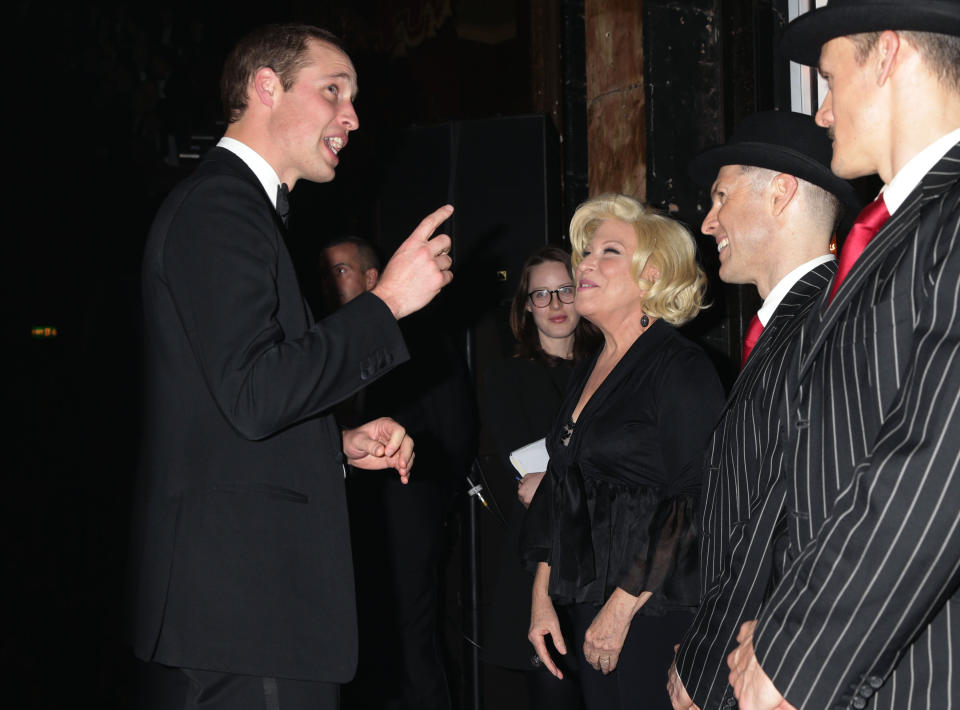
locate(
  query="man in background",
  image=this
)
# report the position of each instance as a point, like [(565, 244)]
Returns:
[(349, 266), (401, 533)]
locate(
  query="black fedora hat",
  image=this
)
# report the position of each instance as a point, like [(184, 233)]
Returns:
[(804, 37), (777, 140)]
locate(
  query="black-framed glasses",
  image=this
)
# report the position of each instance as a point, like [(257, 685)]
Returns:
[(542, 297)]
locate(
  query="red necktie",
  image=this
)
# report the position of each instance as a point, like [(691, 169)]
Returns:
[(751, 338), (868, 223)]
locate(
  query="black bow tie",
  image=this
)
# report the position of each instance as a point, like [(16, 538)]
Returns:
[(283, 203)]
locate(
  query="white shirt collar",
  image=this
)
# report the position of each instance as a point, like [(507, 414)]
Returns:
[(784, 285), (261, 168), (903, 183)]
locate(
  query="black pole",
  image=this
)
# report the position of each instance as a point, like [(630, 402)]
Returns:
[(471, 594)]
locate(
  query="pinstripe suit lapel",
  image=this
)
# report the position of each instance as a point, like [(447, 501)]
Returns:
[(900, 226), (797, 298)]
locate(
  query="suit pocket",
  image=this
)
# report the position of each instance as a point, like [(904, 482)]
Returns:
[(263, 490)]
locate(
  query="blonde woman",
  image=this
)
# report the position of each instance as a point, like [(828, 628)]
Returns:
[(615, 544)]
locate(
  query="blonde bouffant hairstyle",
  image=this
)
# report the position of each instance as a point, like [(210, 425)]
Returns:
[(677, 296)]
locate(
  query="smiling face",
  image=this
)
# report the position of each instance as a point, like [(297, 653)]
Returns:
[(558, 320), (736, 223), (606, 287), (850, 110), (310, 121)]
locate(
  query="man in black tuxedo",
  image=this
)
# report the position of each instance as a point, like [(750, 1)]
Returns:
[(399, 532), (867, 613), (243, 577), (775, 205)]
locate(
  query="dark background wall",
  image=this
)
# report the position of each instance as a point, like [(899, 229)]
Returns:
[(104, 97)]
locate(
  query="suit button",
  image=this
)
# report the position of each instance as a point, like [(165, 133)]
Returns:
[(859, 703), (875, 681), (730, 702), (866, 691)]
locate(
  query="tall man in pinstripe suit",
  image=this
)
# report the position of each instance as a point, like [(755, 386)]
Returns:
[(867, 613), (775, 205)]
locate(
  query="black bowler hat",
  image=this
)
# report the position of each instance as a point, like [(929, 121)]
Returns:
[(804, 37), (784, 141)]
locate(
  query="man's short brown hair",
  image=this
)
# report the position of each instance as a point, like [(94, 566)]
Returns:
[(282, 48), (940, 53), (366, 253)]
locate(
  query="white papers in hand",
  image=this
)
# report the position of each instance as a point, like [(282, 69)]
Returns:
[(531, 458)]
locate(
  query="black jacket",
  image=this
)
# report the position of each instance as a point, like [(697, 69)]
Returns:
[(242, 552)]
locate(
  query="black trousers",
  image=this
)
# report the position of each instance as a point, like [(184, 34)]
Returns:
[(639, 681), (398, 544), (164, 688)]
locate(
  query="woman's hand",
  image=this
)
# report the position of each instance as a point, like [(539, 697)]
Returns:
[(604, 639), (528, 486), (544, 621)]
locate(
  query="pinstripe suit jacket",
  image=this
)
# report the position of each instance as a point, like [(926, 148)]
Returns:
[(738, 514), (868, 612)]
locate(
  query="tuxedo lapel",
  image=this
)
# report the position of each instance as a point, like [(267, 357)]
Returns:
[(796, 300), (229, 160), (233, 162), (899, 228)]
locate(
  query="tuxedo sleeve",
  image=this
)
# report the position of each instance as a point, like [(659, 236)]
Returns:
[(736, 597), (888, 556), (219, 266)]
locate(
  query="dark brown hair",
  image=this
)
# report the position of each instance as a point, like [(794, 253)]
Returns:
[(366, 252), (282, 48), (585, 338)]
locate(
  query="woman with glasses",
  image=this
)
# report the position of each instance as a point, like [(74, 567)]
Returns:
[(519, 399), (614, 541)]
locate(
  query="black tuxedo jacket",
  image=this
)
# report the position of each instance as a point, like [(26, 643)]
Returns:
[(740, 505), (868, 613), (242, 552)]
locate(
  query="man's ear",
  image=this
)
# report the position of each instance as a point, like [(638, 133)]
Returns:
[(370, 278), (783, 189), (266, 86), (887, 49)]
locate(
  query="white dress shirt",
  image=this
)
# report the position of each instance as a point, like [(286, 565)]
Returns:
[(784, 285), (261, 168), (910, 175)]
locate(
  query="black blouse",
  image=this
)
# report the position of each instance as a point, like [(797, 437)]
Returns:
[(623, 505)]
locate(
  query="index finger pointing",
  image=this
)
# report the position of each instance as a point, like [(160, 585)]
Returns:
[(429, 224)]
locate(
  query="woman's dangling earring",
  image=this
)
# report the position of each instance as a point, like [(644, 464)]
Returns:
[(644, 320)]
